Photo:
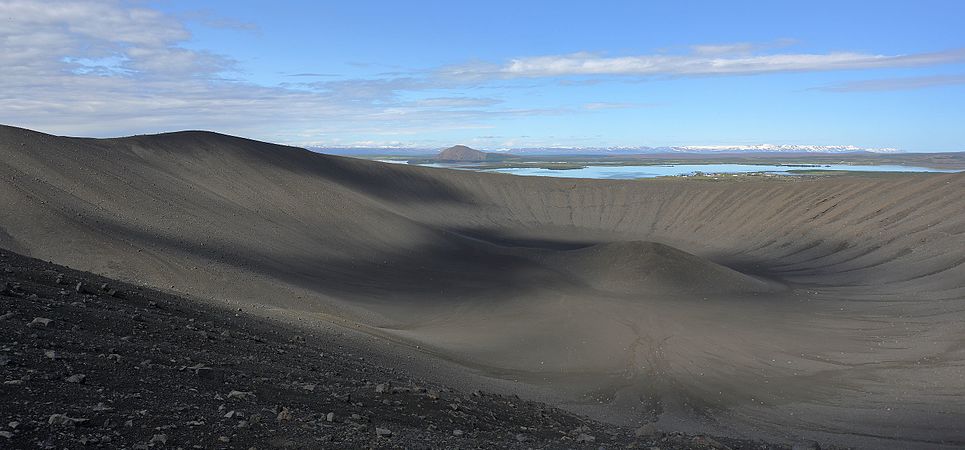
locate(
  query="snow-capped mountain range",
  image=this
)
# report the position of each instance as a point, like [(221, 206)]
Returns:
[(783, 148), (628, 150), (757, 148)]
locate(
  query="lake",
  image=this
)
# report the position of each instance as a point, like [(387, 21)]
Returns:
[(631, 172)]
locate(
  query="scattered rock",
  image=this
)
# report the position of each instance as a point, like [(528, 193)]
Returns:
[(457, 433), (76, 378), (63, 419), (383, 432), (647, 430), (39, 322), (159, 439), (583, 437), (52, 354), (806, 445), (101, 407), (9, 315), (706, 442), (284, 415), (240, 395), (381, 388)]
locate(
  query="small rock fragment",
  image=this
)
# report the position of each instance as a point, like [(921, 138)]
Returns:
[(284, 415), (39, 322), (383, 432), (159, 439), (330, 417), (239, 395), (63, 419), (647, 430), (806, 445), (457, 433), (76, 378), (705, 441), (583, 437)]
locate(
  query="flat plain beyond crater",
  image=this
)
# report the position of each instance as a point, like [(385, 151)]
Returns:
[(822, 308)]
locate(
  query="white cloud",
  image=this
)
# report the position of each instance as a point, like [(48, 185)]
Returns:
[(704, 60), (724, 49), (107, 67), (896, 84), (597, 106)]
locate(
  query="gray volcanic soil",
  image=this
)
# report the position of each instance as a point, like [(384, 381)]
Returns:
[(820, 308), (90, 362)]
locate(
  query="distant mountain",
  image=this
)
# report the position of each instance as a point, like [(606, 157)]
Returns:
[(621, 150), (758, 148), (372, 151), (787, 148), (462, 153)]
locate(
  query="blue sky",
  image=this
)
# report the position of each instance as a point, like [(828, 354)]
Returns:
[(493, 74)]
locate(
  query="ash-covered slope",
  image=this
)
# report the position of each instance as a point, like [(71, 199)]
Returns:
[(837, 297), (641, 268), (89, 361)]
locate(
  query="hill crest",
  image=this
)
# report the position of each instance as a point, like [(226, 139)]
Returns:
[(462, 153)]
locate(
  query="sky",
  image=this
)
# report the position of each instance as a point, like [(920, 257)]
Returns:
[(494, 74)]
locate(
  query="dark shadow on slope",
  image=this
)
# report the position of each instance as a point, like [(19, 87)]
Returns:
[(449, 271), (513, 240)]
